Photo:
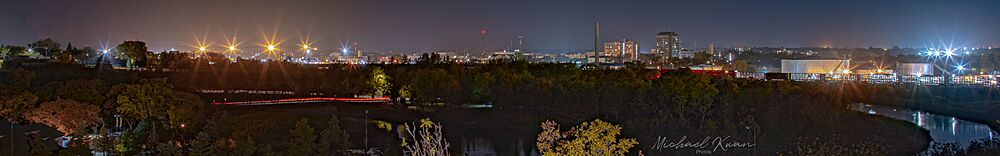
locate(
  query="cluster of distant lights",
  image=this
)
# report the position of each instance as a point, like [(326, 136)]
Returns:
[(944, 52), (269, 47), (950, 52)]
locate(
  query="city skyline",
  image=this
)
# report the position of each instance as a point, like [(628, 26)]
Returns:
[(499, 77), (550, 26)]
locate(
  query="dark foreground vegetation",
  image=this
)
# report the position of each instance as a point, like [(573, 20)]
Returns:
[(161, 112)]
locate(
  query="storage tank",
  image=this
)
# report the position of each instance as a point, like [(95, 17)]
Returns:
[(917, 69)]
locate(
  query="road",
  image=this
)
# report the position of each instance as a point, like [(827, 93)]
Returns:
[(303, 100)]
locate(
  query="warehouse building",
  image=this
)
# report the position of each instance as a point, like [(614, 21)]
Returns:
[(815, 66)]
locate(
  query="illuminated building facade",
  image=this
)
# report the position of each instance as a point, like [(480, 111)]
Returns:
[(816, 66), (625, 50), (667, 44)]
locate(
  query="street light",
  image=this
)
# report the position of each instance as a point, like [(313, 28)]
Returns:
[(270, 48), (366, 130), (306, 47)]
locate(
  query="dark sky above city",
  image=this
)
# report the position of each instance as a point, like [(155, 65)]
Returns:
[(547, 25)]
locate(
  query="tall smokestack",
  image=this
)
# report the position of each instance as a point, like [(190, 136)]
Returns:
[(597, 41)]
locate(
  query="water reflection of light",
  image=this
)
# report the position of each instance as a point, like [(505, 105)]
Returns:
[(936, 125), (953, 124), (920, 119)]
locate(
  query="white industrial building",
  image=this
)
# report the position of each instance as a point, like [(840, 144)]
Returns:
[(815, 66)]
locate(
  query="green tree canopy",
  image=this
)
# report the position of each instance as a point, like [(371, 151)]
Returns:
[(333, 138), (148, 98), (47, 47), (86, 91), (379, 82), (590, 138), (8, 52), (20, 78), (135, 53), (14, 103), (185, 109), (303, 139), (690, 94), (67, 116), (431, 84), (38, 146)]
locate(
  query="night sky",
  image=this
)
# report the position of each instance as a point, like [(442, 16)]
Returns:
[(547, 25)]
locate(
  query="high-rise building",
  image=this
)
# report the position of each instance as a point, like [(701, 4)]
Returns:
[(625, 50), (612, 48), (667, 44)]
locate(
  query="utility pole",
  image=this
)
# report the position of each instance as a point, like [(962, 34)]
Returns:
[(520, 41), (12, 138), (483, 33), (509, 43), (365, 124)]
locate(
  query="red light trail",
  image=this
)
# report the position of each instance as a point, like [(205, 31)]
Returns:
[(302, 100)]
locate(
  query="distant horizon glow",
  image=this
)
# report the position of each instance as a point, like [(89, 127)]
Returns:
[(548, 26)]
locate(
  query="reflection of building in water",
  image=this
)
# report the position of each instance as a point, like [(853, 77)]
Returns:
[(486, 147), (477, 146)]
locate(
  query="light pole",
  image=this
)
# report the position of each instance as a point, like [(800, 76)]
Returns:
[(308, 51), (232, 50), (12, 138), (118, 122), (365, 124), (202, 51), (271, 48)]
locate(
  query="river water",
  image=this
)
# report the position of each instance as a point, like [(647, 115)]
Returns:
[(943, 129)]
